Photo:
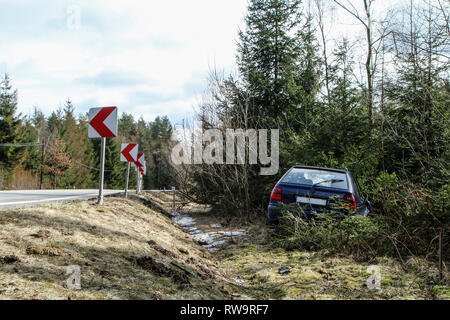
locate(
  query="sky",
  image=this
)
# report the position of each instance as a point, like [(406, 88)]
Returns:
[(148, 58)]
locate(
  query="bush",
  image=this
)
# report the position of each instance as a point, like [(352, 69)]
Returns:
[(359, 236)]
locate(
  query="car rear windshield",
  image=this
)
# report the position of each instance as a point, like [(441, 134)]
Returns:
[(321, 178)]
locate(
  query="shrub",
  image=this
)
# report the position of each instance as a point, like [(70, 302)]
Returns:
[(359, 236)]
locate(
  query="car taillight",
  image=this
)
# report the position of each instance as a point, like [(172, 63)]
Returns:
[(276, 194), (350, 202)]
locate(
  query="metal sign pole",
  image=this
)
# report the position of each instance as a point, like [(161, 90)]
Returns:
[(126, 180), (102, 172), (137, 180)]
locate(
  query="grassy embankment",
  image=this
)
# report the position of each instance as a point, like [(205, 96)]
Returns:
[(125, 250), (128, 249)]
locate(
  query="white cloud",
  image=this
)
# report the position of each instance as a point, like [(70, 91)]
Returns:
[(122, 53)]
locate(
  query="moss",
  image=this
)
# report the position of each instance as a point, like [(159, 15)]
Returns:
[(47, 251), (441, 291)]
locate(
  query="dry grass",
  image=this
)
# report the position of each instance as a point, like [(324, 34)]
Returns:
[(125, 251)]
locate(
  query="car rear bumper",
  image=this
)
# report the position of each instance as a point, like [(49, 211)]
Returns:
[(273, 212)]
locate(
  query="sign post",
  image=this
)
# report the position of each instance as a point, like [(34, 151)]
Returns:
[(102, 124), (140, 167), (128, 153), (126, 180), (102, 172)]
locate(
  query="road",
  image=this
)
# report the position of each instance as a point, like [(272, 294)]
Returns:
[(17, 198)]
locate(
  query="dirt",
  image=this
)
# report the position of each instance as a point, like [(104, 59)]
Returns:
[(149, 264), (9, 259), (161, 249)]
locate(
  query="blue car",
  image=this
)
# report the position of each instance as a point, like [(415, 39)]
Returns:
[(315, 189)]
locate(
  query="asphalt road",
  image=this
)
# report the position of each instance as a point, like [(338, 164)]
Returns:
[(18, 198)]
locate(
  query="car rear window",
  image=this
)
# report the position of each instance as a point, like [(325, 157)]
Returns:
[(322, 178)]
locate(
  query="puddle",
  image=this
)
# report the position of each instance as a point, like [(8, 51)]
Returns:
[(184, 221), (210, 240), (238, 233), (238, 280)]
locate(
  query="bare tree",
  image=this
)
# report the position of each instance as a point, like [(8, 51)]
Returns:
[(320, 9), (366, 20)]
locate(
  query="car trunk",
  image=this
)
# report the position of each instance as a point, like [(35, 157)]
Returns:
[(310, 200)]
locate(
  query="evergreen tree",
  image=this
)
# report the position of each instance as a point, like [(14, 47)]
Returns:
[(10, 130), (33, 153), (268, 58), (342, 124), (55, 123), (158, 170), (76, 145), (126, 126)]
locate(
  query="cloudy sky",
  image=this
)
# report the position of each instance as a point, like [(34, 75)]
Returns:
[(148, 58)]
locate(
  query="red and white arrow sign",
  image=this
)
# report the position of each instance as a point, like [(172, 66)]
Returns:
[(128, 152), (140, 160), (102, 122)]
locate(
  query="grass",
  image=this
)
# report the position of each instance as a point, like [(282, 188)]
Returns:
[(125, 250), (130, 249)]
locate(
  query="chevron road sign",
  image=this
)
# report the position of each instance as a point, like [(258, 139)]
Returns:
[(139, 164), (102, 122), (140, 160), (128, 152)]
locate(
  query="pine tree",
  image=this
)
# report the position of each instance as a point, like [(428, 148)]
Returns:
[(126, 126), (158, 172), (10, 130), (55, 122), (343, 125), (418, 100), (76, 145), (33, 153), (268, 57)]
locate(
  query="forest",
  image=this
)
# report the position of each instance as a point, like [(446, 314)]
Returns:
[(377, 105), (40, 152)]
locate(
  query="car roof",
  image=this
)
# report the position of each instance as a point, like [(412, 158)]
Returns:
[(320, 168)]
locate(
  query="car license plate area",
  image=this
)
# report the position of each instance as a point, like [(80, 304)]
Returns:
[(312, 201)]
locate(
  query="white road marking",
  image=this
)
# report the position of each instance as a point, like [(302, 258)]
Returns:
[(42, 200), (52, 199)]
